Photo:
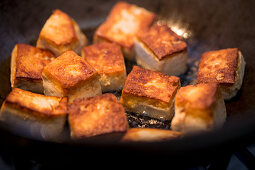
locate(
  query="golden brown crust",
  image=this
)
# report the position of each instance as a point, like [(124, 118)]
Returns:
[(59, 29), (162, 41), (69, 70), (200, 96), (30, 61), (97, 115), (124, 22), (105, 57), (150, 84), (40, 105), (218, 66), (149, 134)]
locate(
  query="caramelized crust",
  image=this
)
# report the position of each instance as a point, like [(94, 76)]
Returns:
[(69, 70), (218, 66), (150, 84), (105, 57), (124, 22), (162, 41), (97, 115), (59, 29), (30, 61), (200, 96), (40, 105), (149, 134)]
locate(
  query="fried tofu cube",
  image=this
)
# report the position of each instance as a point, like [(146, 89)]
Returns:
[(149, 135), (27, 63), (198, 108), (161, 49), (121, 26), (71, 76), (96, 116), (225, 67), (34, 115), (61, 33), (150, 92), (108, 61)]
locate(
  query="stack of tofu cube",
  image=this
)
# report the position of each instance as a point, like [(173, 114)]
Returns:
[(64, 79)]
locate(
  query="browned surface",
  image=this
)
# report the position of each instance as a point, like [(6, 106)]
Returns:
[(149, 134), (162, 41), (30, 61), (124, 22), (59, 29), (218, 66), (69, 70), (200, 96), (150, 84), (97, 115), (38, 104), (105, 57)]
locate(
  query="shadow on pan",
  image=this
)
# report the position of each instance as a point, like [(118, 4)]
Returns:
[(206, 25)]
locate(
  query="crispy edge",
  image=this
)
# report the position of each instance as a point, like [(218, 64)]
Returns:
[(24, 52), (67, 82), (79, 108), (99, 35), (133, 89), (228, 73), (15, 101), (162, 41), (105, 57)]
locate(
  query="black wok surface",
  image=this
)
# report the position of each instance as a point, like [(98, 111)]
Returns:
[(206, 25)]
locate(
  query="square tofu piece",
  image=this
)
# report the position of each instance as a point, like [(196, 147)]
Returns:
[(150, 92), (108, 61), (161, 49), (96, 116), (198, 108), (149, 135), (27, 63), (61, 33), (70, 75), (34, 115), (225, 67), (122, 25)]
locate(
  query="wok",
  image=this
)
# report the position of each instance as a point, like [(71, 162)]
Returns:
[(206, 25)]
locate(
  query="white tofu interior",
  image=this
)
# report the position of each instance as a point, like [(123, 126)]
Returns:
[(89, 89), (112, 82), (230, 91), (171, 65), (189, 123), (27, 125), (151, 111)]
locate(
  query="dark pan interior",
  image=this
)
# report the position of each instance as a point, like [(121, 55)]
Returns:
[(206, 25)]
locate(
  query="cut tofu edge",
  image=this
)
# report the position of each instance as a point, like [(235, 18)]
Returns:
[(174, 64), (229, 92)]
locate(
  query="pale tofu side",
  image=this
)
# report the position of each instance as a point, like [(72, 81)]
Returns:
[(228, 92), (70, 75), (198, 108), (123, 23), (23, 73), (61, 33), (149, 135), (34, 115), (174, 64), (108, 61), (96, 116), (150, 92), (161, 49)]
